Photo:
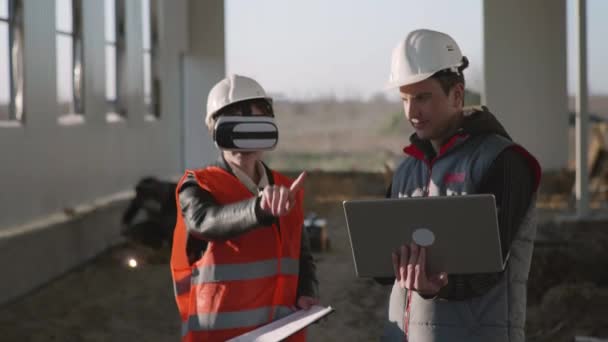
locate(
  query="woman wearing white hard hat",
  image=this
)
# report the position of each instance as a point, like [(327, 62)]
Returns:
[(240, 256), (458, 151)]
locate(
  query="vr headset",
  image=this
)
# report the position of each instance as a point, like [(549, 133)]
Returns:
[(246, 133)]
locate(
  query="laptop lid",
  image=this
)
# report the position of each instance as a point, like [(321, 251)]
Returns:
[(460, 233)]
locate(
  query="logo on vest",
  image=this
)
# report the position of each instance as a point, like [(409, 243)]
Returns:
[(450, 192), (454, 178), (419, 192)]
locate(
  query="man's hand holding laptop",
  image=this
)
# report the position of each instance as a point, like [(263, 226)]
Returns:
[(409, 264)]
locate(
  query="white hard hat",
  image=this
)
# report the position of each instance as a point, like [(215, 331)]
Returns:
[(420, 55), (232, 89)]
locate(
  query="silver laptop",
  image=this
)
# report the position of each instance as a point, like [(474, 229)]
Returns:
[(460, 233)]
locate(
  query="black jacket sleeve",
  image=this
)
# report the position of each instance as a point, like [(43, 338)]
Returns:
[(207, 220), (511, 181), (308, 284)]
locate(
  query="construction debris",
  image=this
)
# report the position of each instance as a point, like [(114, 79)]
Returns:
[(150, 217), (316, 227), (568, 282)]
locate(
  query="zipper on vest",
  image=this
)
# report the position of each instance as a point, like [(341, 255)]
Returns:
[(429, 166), (425, 193), (406, 315), (406, 323)]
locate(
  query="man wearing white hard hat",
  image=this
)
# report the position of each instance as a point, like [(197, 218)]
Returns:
[(240, 257), (458, 151)]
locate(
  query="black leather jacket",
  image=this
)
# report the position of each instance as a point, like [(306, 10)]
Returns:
[(206, 220)]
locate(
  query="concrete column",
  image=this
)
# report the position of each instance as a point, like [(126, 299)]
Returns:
[(582, 115), (204, 65), (525, 74)]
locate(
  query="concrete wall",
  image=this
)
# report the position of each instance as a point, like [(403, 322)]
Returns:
[(47, 167), (47, 249), (525, 74)]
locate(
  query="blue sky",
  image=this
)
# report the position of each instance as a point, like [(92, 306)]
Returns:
[(309, 48)]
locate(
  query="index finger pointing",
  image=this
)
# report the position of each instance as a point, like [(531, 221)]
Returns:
[(297, 184)]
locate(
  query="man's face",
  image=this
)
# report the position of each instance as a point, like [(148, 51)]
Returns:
[(429, 110)]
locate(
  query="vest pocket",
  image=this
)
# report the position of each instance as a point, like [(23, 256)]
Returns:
[(491, 308)]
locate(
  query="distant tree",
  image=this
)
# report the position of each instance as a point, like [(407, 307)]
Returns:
[(379, 97)]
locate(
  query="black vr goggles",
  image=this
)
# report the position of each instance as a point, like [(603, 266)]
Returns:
[(245, 133)]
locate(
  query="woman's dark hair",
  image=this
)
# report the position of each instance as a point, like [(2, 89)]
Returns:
[(245, 108)]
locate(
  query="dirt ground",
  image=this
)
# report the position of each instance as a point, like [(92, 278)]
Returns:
[(105, 300)]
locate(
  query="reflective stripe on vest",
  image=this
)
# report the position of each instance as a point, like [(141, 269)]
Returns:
[(230, 272), (231, 320)]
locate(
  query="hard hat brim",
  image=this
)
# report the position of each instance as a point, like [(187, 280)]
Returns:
[(267, 98), (407, 81)]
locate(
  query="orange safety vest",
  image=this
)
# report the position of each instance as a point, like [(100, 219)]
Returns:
[(242, 283)]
